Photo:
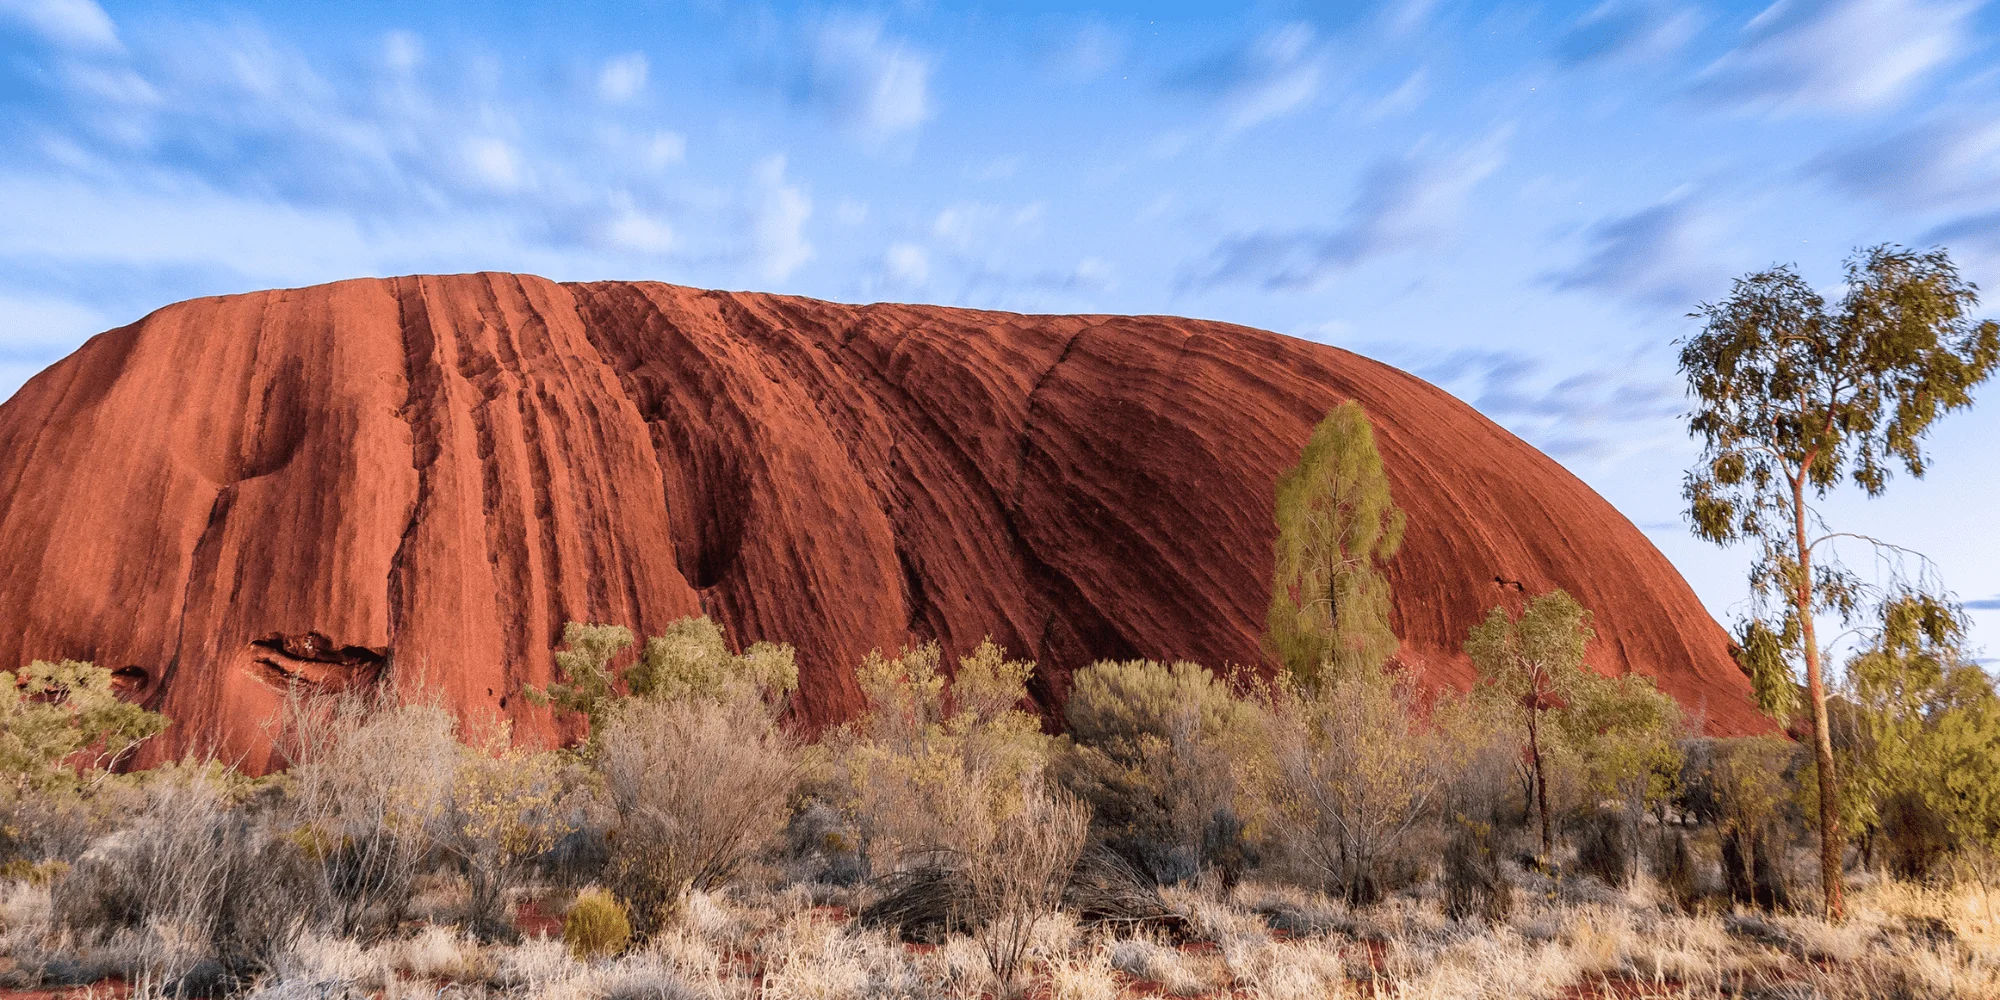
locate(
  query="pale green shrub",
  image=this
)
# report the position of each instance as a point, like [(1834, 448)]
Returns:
[(1168, 758), (595, 925)]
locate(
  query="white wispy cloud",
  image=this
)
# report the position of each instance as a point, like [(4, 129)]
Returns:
[(778, 224), (1272, 75), (1403, 203), (1663, 255), (974, 224), (1837, 55), (72, 24), (866, 82), (1575, 409), (1943, 162), (1627, 31), (622, 77), (906, 265)]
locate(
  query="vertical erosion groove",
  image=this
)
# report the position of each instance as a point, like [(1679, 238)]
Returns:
[(423, 381)]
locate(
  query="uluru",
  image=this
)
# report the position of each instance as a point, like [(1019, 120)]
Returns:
[(433, 474)]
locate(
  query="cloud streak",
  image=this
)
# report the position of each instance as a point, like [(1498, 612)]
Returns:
[(873, 86), (1940, 163), (79, 25), (1659, 256), (1591, 414), (1626, 31), (1402, 203), (1269, 77), (1841, 56)]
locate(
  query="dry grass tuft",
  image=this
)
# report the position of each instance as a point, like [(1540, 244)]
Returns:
[(1152, 962)]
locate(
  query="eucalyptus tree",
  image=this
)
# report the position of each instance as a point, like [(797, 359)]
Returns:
[(1794, 397)]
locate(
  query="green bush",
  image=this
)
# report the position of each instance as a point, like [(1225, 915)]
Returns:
[(595, 925), (1161, 753), (1361, 773), (938, 756)]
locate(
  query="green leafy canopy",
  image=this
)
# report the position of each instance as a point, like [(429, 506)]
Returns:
[(690, 661), (52, 712), (1794, 396)]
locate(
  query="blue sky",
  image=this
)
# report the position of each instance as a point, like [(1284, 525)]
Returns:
[(1519, 201)]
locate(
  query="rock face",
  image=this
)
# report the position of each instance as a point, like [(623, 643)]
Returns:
[(438, 472)]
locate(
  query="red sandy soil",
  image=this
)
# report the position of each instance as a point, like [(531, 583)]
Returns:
[(110, 989), (236, 492)]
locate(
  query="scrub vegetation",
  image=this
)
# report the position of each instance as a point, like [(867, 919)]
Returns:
[(1321, 825)]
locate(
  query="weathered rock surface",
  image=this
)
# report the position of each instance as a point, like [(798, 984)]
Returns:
[(439, 471)]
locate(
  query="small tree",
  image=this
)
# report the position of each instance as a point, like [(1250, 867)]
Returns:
[(1580, 731), (1622, 738), (590, 687), (53, 714), (1531, 668), (1791, 397), (1336, 523)]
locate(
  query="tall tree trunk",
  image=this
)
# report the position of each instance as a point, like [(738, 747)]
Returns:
[(1829, 806), (1541, 784)]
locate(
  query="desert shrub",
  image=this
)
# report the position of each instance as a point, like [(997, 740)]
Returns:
[(1161, 754), (698, 789), (506, 809), (1745, 780), (691, 661), (1105, 889), (933, 759), (1605, 845), (199, 871), (595, 925), (1358, 771), (52, 714), (1675, 865), (948, 777), (1474, 886), (35, 873), (579, 858), (1016, 870), (62, 732), (925, 901), (1914, 840), (1922, 741), (822, 845), (372, 780), (696, 770), (589, 684)]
